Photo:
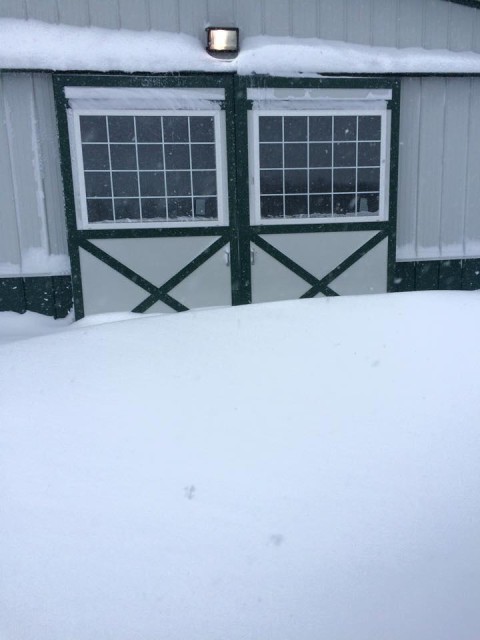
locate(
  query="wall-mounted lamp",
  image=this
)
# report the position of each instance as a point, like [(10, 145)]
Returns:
[(222, 42)]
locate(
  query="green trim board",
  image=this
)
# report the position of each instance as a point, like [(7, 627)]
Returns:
[(428, 275), (48, 295)]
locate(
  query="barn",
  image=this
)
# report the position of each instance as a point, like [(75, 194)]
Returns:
[(165, 155)]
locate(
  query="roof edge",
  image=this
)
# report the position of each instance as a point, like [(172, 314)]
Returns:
[(475, 4)]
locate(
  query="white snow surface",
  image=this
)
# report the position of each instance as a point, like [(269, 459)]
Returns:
[(32, 44), (287, 471)]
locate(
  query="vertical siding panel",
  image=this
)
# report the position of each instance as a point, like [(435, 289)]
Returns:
[(460, 33), (410, 110), (13, 8), (221, 13), (164, 15), (46, 10), (436, 25), (277, 17), (304, 19), (333, 20), (134, 14), (472, 214), (73, 12), (410, 23), (104, 14), (249, 17), (193, 17), (476, 32), (22, 135), (430, 167), (50, 163), (384, 22), (455, 166), (9, 240), (359, 21)]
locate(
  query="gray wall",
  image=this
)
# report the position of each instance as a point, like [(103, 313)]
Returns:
[(402, 23)]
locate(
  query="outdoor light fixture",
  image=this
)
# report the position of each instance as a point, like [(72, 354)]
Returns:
[(222, 42)]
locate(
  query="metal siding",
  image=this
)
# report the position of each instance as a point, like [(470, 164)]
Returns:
[(436, 25), (221, 13), (164, 15), (104, 14), (277, 17), (46, 10), (410, 23), (13, 8), (472, 205), (304, 19), (384, 22), (73, 12), (359, 21), (333, 20), (248, 15), (134, 14), (193, 17), (460, 27)]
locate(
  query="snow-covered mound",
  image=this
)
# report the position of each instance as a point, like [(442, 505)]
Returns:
[(290, 471)]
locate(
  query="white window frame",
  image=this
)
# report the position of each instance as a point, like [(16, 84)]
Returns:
[(254, 165), (79, 173)]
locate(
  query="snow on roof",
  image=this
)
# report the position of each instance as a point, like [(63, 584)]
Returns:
[(31, 44)]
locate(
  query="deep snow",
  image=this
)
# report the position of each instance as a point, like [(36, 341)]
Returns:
[(288, 471)]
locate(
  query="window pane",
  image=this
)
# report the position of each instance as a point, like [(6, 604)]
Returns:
[(345, 154), (295, 128), (369, 127), (296, 206), (295, 181), (203, 156), (344, 204), (321, 181), (271, 156), (99, 210), (150, 156), (204, 183), (271, 182), (149, 128), (320, 205), (205, 208), (270, 128), (320, 128), (368, 203), (368, 180), (177, 156), (95, 156), (345, 128), (154, 209), (178, 184), (320, 155), (344, 180), (123, 156), (93, 128), (271, 207), (175, 128), (127, 209), (202, 129), (368, 154), (295, 155), (125, 184), (179, 208), (121, 129), (152, 183), (97, 184)]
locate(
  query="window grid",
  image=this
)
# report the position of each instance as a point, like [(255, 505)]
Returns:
[(138, 167), (110, 167)]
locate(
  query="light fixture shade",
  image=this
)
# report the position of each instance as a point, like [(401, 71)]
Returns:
[(222, 41)]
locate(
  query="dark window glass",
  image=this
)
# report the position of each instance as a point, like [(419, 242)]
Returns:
[(177, 156), (320, 155), (125, 184), (202, 129), (154, 208), (179, 208), (205, 207), (344, 204), (344, 180), (152, 183), (121, 129), (95, 156), (295, 155), (150, 156), (204, 183), (93, 128), (149, 128), (178, 184), (344, 154), (123, 156), (368, 180), (296, 206), (320, 128), (271, 182), (203, 156), (368, 203), (369, 127), (271, 207), (97, 184), (345, 128), (127, 209), (175, 128), (320, 181), (368, 154), (270, 128), (296, 181), (320, 205), (100, 210), (295, 128), (271, 156)]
